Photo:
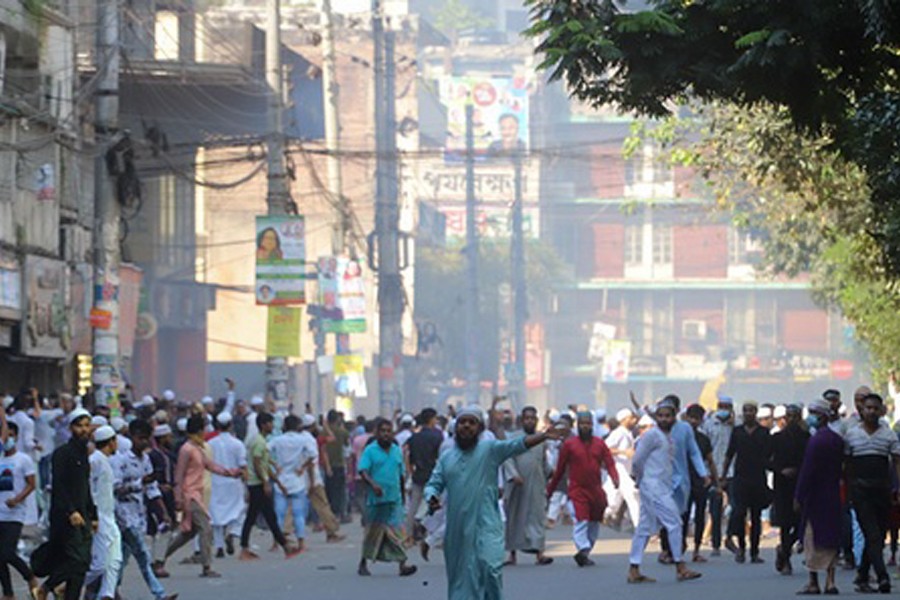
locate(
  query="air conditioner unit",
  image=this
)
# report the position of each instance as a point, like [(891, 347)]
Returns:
[(693, 329)]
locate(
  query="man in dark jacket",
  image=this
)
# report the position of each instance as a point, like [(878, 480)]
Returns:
[(71, 511), (788, 447)]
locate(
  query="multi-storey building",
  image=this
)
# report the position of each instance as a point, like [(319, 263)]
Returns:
[(46, 200), (663, 294)]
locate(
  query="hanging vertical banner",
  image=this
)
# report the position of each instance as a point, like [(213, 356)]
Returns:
[(616, 359), (280, 260), (283, 331), (130, 277), (342, 295)]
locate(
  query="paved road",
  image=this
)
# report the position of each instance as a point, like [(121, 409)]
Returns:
[(330, 572)]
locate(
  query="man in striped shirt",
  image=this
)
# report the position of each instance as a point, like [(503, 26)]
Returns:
[(870, 445)]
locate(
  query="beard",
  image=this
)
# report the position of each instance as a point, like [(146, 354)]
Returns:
[(385, 443), (585, 435), (465, 442), (529, 430)]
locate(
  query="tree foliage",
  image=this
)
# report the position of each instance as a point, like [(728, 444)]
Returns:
[(832, 65), (806, 203)]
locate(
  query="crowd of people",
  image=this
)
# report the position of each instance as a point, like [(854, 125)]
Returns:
[(92, 486)]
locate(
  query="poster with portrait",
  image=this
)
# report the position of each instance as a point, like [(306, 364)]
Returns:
[(280, 260), (500, 115), (342, 295)]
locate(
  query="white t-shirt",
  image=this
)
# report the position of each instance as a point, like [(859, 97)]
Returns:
[(621, 439), (13, 471), (290, 452)]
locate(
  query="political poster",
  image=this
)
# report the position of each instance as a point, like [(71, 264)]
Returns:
[(283, 331), (280, 260), (616, 359), (342, 295), (499, 114)]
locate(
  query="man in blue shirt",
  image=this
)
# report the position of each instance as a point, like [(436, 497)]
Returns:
[(381, 467)]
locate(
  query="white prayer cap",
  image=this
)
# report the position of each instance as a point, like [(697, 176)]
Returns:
[(645, 421), (553, 415), (624, 414), (99, 421), (407, 418), (308, 420), (600, 414), (224, 418), (257, 401), (471, 411), (118, 423), (207, 400), (764, 413), (181, 424), (145, 401), (168, 395), (161, 430), (161, 416), (8, 401), (104, 433), (842, 411), (780, 411), (819, 407), (78, 413)]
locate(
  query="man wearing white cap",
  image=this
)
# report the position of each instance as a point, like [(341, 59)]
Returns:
[(226, 505), (163, 458), (473, 548), (654, 469), (169, 396), (71, 511), (407, 421), (621, 445), (257, 405), (106, 551)]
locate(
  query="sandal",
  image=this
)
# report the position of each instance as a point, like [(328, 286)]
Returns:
[(641, 579), (544, 560), (408, 570), (809, 591), (687, 575), (831, 591), (699, 558)]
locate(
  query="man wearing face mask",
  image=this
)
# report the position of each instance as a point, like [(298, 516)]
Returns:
[(788, 447), (718, 428)]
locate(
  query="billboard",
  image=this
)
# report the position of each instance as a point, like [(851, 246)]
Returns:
[(342, 294), (280, 260), (500, 114)]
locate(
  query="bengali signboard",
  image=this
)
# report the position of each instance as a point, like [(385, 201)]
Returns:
[(280, 260), (499, 114), (283, 331), (342, 295)]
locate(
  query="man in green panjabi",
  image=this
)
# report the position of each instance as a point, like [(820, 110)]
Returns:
[(474, 541)]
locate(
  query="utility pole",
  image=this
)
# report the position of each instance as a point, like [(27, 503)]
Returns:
[(278, 195), (333, 131), (107, 376), (520, 302), (472, 375), (387, 222)]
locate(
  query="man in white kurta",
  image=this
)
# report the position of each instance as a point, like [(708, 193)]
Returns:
[(106, 549), (621, 445), (653, 464), (226, 505)]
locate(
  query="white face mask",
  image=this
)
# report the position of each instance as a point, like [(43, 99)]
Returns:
[(10, 444)]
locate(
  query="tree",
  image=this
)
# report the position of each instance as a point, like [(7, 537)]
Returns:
[(441, 289), (806, 203), (832, 65)]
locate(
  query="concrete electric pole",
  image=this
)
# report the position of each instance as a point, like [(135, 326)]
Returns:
[(278, 196), (106, 374)]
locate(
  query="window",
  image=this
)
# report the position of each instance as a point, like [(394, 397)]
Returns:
[(737, 247), (662, 244), (634, 244)]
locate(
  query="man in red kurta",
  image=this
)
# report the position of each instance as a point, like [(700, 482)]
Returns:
[(584, 456)]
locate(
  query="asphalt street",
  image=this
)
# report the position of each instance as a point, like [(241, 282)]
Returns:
[(328, 571)]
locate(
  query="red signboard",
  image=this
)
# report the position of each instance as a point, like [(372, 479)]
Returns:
[(100, 319), (841, 369)]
